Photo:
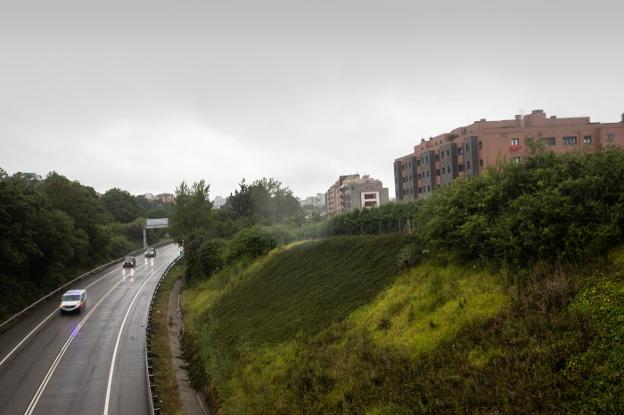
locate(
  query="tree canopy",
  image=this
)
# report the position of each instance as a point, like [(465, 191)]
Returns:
[(121, 205), (192, 210)]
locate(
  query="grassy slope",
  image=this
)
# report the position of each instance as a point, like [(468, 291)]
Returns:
[(300, 333), (305, 289)]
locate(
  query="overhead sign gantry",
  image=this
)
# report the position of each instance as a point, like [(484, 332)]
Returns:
[(154, 224)]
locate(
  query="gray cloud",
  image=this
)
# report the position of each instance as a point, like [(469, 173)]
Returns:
[(142, 95)]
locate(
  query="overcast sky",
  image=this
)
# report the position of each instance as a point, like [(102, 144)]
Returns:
[(141, 95)]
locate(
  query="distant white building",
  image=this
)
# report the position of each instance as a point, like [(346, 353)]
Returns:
[(354, 192), (149, 196)]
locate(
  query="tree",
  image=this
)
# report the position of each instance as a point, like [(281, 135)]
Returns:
[(83, 206), (121, 205), (191, 210), (264, 201)]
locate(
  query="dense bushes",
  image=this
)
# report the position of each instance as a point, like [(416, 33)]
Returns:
[(250, 243), (553, 208), (205, 254)]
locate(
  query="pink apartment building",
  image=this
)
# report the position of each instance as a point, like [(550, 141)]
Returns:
[(468, 150)]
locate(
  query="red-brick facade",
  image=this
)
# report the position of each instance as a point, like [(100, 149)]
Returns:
[(471, 149)]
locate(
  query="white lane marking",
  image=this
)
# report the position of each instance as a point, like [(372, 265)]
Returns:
[(48, 376), (33, 331), (123, 323), (45, 320)]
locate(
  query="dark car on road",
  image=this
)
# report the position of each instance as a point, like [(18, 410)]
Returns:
[(150, 253), (130, 261)]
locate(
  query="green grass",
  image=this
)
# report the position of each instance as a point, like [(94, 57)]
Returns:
[(428, 305), (305, 289), (335, 327)]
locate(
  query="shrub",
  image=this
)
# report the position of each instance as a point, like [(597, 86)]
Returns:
[(250, 243), (203, 255)]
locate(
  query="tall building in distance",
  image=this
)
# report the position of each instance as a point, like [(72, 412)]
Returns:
[(354, 192), (468, 150)]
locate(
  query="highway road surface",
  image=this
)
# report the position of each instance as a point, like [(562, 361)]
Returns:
[(88, 363)]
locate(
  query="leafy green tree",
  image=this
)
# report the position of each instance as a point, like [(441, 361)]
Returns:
[(265, 201), (122, 206), (82, 204), (192, 210), (17, 218)]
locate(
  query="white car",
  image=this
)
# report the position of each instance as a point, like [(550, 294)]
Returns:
[(73, 301)]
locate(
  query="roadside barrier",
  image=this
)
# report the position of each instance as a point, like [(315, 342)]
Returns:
[(6, 324), (154, 402)]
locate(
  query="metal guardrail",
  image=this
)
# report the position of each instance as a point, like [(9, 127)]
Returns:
[(16, 317), (154, 404)]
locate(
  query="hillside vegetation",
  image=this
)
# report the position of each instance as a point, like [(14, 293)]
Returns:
[(431, 339), (505, 298)]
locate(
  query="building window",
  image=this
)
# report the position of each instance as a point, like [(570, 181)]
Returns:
[(370, 195), (437, 157), (448, 152), (443, 170), (428, 188), (467, 146), (568, 141), (516, 160), (420, 190), (587, 139), (460, 167), (460, 150), (481, 162), (549, 141), (437, 172), (427, 173), (480, 145), (468, 165), (610, 137), (515, 141), (417, 162)]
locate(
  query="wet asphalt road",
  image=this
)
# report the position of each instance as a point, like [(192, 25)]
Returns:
[(64, 367)]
